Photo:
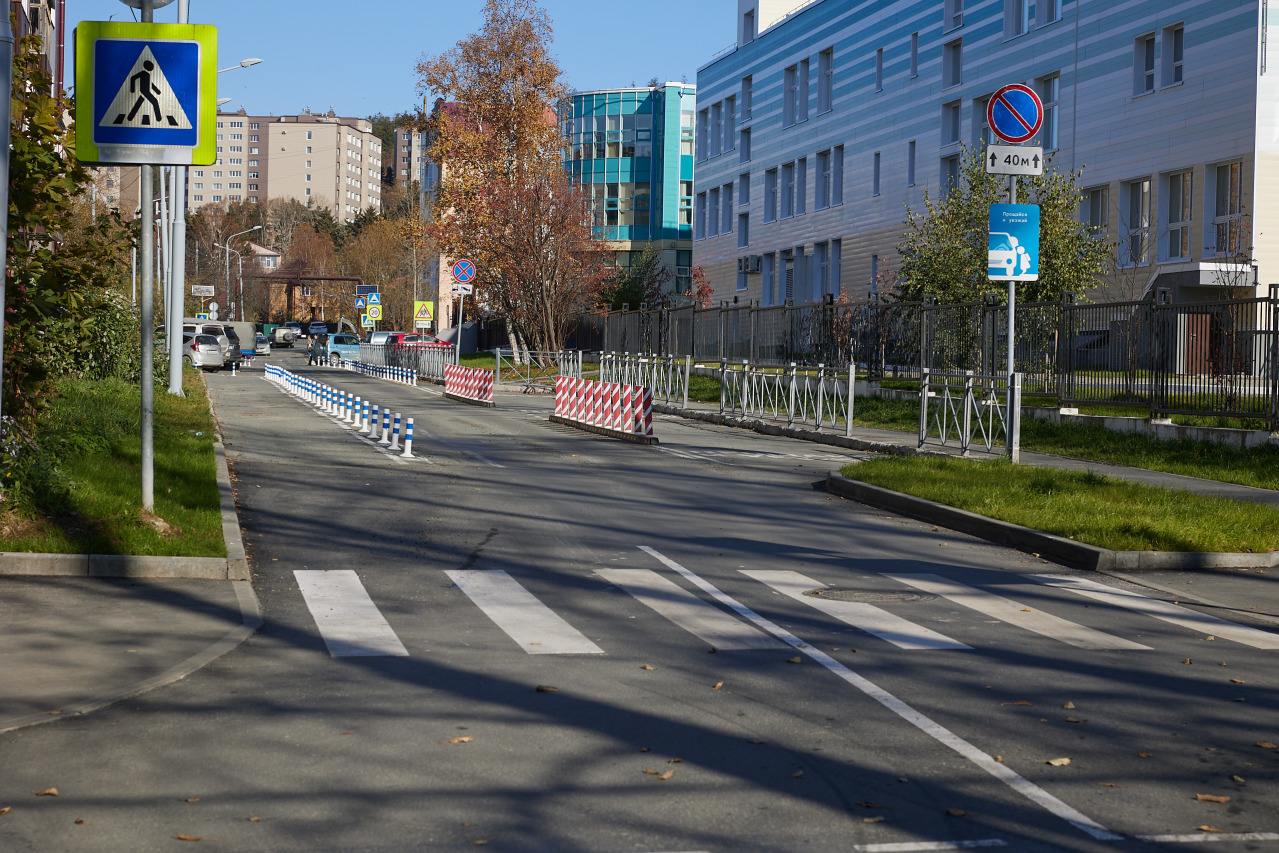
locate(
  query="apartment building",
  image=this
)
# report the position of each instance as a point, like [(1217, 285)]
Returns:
[(408, 161), (242, 168), (822, 123), (44, 18)]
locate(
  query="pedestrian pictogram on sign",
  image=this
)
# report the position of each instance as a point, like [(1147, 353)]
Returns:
[(422, 310), (359, 302), (146, 87), (1015, 113), (365, 322)]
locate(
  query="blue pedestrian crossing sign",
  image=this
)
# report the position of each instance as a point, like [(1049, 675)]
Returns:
[(375, 298), (146, 93), (1013, 248)]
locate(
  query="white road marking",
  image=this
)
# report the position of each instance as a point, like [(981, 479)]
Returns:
[(865, 617), (1002, 772), (346, 617), (535, 627), (911, 846), (723, 632), (1015, 613), (1166, 611), (1197, 837)]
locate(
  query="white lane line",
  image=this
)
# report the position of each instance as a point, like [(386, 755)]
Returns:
[(535, 627), (1015, 613), (1197, 837), (865, 617), (911, 846), (346, 617), (1002, 772), (1166, 611), (723, 632)]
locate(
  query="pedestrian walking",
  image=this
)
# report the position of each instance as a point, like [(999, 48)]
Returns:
[(315, 353)]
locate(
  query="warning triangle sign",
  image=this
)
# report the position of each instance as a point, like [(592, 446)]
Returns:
[(423, 312), (145, 98)]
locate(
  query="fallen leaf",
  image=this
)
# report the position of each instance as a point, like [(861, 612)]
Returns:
[(1206, 828), (1111, 785), (718, 685), (4, 811), (482, 841), (1239, 779), (877, 819), (1022, 703), (53, 713), (1209, 638), (999, 758), (1073, 720), (867, 805), (668, 774), (643, 749), (1223, 663), (650, 772), (463, 739), (1069, 706), (797, 774), (1237, 681), (646, 666), (47, 792), (796, 659), (193, 799), (1265, 744), (1211, 798), (188, 838), (1027, 610), (676, 761), (255, 820), (1145, 754), (546, 688), (955, 812), (1058, 762), (350, 732), (79, 821), (1187, 661)]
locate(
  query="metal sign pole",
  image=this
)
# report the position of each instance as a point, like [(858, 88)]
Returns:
[(6, 93), (146, 179), (1012, 285), (178, 254)]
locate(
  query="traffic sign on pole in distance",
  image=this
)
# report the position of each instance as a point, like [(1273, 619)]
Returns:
[(463, 271), (146, 93), (375, 312), (463, 289), (1015, 113), (1014, 160), (359, 302), (365, 322), (1013, 247), (423, 314), (375, 298)]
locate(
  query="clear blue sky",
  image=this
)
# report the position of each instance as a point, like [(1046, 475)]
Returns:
[(358, 58)]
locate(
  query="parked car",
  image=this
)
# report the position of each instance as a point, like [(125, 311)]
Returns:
[(378, 339), (201, 351), (237, 346), (318, 327), (342, 347), (282, 336), (296, 328), (262, 345), (191, 326), (425, 339)]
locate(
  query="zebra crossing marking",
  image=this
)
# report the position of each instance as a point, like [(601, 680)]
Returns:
[(346, 617), (912, 846), (1015, 613), (697, 617), (1163, 610), (865, 617), (536, 628)]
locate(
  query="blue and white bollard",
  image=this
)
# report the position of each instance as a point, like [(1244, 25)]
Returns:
[(359, 413), (350, 405), (395, 436), (386, 427), (364, 425), (408, 440), (373, 424)]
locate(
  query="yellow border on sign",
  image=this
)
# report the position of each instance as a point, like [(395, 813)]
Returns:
[(205, 118)]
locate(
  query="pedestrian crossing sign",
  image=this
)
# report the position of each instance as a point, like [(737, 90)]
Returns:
[(366, 321), (146, 93)]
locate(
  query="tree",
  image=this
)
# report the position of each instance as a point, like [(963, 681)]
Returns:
[(494, 131), (641, 283), (944, 249)]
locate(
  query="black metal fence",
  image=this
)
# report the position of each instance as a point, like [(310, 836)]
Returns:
[(1218, 357)]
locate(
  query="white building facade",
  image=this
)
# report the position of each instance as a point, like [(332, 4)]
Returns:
[(823, 123)]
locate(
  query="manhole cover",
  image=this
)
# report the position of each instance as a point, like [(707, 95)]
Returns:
[(869, 595)]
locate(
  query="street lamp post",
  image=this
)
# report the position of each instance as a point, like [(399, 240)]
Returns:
[(227, 249)]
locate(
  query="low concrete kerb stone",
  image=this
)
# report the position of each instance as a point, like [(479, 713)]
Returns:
[(470, 401), (768, 428), (605, 431), (1056, 548)]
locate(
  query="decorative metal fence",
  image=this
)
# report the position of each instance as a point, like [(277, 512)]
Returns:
[(428, 360), (965, 408), (820, 397), (666, 375), (535, 372)]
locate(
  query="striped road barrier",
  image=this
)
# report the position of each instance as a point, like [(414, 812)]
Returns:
[(605, 408), (468, 385)]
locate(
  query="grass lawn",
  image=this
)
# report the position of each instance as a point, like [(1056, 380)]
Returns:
[(1083, 506), (91, 489)]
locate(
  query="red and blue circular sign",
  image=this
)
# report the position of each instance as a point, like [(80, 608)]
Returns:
[(1015, 113), (463, 271)]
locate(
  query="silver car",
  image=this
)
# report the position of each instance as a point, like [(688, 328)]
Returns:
[(202, 351)]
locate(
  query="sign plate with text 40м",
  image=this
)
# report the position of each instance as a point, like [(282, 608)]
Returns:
[(1014, 160)]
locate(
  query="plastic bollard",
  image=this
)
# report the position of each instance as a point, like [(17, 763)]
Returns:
[(408, 440), (386, 427), (373, 424), (395, 436), (233, 364), (364, 421), (359, 413), (348, 408)]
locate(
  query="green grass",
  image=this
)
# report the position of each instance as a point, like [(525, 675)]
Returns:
[(89, 499), (477, 359), (1083, 506)]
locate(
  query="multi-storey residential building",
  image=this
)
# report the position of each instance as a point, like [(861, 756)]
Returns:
[(44, 18), (313, 158), (824, 122), (633, 150), (408, 156)]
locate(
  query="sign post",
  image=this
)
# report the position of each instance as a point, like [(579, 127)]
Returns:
[(463, 273)]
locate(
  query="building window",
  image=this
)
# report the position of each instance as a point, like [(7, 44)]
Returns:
[(254, 126), (1047, 11), (790, 95), (879, 70), (836, 258), (953, 12), (1136, 201), (730, 123), (1050, 94), (822, 195), (801, 114), (949, 175), (952, 63), (308, 190), (1178, 215), (712, 215), (982, 134), (770, 195), (1016, 18), (746, 98), (768, 276), (1227, 220), (744, 188), (837, 175), (744, 152), (910, 163), (914, 54), (788, 190), (700, 229), (748, 26), (717, 129), (874, 180), (726, 197), (1096, 210), (743, 230), (950, 115), (801, 186), (308, 149), (1174, 45), (308, 177), (826, 81), (198, 198), (1144, 65), (821, 270), (703, 133)]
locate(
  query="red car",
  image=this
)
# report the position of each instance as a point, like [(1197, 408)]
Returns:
[(396, 339)]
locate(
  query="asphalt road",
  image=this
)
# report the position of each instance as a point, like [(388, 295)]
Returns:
[(693, 697)]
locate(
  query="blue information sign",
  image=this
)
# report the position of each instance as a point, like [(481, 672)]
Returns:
[(1013, 247), (375, 298), (359, 302)]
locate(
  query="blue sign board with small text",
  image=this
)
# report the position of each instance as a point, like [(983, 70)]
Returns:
[(1013, 247)]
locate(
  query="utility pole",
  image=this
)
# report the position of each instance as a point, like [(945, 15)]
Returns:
[(146, 179), (6, 93), (178, 257)]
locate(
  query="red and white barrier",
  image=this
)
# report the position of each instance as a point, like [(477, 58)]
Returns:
[(469, 383), (626, 409)]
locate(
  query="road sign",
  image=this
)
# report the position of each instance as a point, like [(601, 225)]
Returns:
[(202, 290), (375, 312), (201, 316), (423, 314), (359, 302), (146, 93), (1015, 113), (463, 271), (365, 289), (463, 289), (365, 321), (1014, 160), (1013, 246), (375, 298)]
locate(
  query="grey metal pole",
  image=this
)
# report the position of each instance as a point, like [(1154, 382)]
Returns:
[(1012, 285), (6, 93), (178, 256), (148, 320)]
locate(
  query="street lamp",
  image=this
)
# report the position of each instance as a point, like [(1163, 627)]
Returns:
[(244, 63), (227, 248)]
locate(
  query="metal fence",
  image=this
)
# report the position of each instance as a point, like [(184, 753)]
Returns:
[(535, 372), (666, 376), (971, 410), (428, 361), (1219, 357), (820, 397)]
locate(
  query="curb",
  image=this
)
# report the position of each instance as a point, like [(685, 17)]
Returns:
[(488, 404), (605, 431), (1046, 545), (767, 428)]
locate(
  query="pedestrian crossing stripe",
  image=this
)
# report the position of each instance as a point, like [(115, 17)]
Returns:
[(145, 98)]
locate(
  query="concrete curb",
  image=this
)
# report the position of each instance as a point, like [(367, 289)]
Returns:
[(1046, 545), (234, 566), (767, 428), (458, 398), (605, 431)]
